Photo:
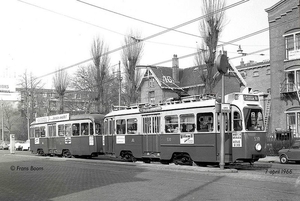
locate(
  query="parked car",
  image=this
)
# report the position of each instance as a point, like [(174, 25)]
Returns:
[(18, 145), (290, 154), (4, 145), (25, 145)]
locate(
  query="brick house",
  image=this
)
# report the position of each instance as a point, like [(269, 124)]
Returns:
[(161, 83), (284, 35), (257, 75)]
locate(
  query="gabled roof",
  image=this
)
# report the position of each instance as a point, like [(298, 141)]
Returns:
[(188, 77)]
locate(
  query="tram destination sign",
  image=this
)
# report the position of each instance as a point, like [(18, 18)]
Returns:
[(59, 117), (250, 97)]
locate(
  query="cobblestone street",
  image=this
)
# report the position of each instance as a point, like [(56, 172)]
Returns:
[(30, 177)]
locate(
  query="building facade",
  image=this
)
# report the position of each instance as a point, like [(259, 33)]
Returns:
[(284, 31), (257, 75)]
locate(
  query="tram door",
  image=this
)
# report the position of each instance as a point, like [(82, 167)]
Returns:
[(52, 135), (108, 142), (151, 137)]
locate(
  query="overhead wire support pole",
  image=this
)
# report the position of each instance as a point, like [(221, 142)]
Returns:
[(120, 82), (222, 66)]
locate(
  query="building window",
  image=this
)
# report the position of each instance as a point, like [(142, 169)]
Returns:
[(151, 82), (291, 122), (292, 46), (244, 74), (255, 74), (151, 97)]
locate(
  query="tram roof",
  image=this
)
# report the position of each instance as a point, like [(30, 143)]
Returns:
[(163, 107)]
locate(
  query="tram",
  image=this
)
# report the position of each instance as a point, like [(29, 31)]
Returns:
[(187, 131), (65, 135)]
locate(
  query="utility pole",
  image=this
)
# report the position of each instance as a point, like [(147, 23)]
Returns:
[(120, 82), (2, 127)]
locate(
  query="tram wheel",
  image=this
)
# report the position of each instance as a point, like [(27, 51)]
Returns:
[(283, 159), (66, 154), (40, 152), (146, 160)]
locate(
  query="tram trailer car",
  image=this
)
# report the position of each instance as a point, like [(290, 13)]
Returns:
[(188, 131), (64, 135)]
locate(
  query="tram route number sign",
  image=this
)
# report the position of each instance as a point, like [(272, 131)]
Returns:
[(36, 140), (237, 139)]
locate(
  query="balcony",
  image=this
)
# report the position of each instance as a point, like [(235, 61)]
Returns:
[(289, 90)]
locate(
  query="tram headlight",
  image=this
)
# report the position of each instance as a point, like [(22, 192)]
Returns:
[(258, 147)]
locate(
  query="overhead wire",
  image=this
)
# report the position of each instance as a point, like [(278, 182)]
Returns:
[(73, 18), (151, 36), (232, 41), (170, 29)]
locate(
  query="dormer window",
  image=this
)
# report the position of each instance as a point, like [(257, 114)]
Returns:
[(148, 73)]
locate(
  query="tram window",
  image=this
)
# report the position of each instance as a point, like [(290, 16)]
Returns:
[(105, 127), (205, 122), (68, 129), (91, 129), (37, 132), (42, 130), (98, 129), (84, 129), (237, 121), (227, 119), (156, 124), (132, 126), (187, 123), (111, 125), (121, 126), (75, 129), (61, 130), (31, 132), (253, 119), (51, 130), (171, 124)]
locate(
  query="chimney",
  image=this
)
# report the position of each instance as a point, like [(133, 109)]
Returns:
[(175, 68), (242, 63)]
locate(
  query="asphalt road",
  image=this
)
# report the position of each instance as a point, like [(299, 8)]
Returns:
[(29, 177)]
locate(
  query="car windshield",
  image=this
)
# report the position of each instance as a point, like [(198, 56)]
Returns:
[(296, 145)]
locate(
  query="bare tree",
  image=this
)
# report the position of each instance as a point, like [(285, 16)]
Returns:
[(61, 83), (11, 118), (29, 85), (131, 56), (210, 30), (100, 69)]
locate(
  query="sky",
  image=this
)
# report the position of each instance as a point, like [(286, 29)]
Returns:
[(41, 36)]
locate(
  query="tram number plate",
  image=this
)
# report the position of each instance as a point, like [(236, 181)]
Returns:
[(256, 139)]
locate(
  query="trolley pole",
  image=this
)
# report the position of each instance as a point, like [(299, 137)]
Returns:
[(222, 66)]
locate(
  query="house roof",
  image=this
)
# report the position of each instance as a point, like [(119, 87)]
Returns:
[(188, 77)]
